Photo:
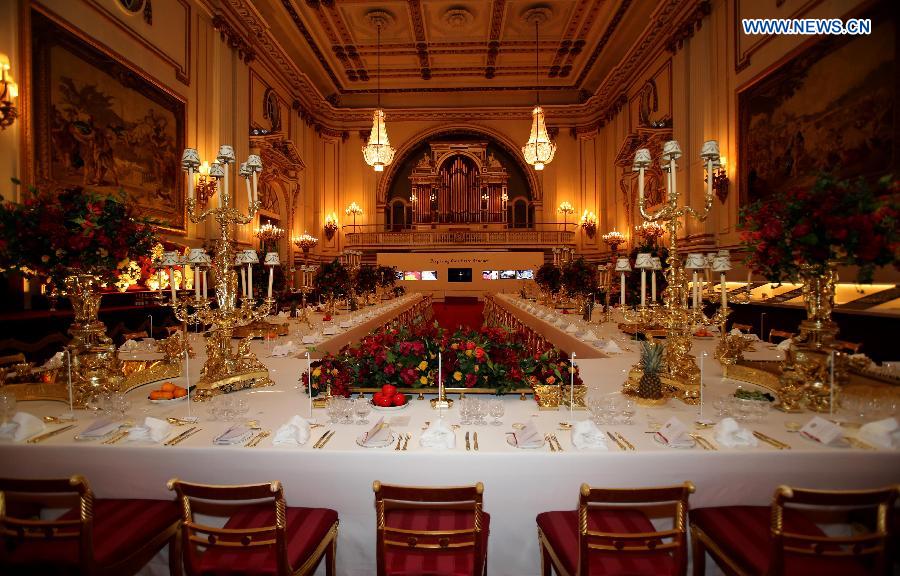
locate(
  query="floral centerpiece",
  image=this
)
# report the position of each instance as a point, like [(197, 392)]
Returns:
[(332, 280), (408, 359), (549, 278)]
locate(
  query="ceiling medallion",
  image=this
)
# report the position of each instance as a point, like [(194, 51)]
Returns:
[(380, 19), (458, 18)]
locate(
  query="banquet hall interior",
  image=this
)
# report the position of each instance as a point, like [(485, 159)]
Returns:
[(446, 287)]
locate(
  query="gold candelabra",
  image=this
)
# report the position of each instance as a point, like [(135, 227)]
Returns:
[(612, 239), (681, 371), (226, 369), (305, 243)]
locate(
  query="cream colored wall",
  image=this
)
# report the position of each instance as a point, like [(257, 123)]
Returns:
[(224, 95)]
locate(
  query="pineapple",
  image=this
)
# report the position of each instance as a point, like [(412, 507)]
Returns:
[(650, 386)]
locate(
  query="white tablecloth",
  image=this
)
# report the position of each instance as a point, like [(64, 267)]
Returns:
[(518, 483)]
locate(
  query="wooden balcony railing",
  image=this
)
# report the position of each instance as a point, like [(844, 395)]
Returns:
[(464, 238)]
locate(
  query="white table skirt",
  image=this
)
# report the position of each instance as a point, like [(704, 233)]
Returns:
[(518, 483)]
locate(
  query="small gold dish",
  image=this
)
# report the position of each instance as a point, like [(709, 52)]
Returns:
[(793, 426)]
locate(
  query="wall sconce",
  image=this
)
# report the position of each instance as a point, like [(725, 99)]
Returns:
[(305, 242), (9, 91), (353, 210), (205, 186), (720, 180), (589, 223), (331, 225)]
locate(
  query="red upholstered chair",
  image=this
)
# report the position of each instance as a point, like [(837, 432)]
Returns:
[(610, 535), (433, 531), (783, 539), (96, 536), (261, 535)]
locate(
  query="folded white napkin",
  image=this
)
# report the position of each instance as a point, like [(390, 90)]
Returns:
[(129, 345), (100, 428), (153, 430), (561, 322), (287, 349), (610, 347), (529, 436), (571, 329), (784, 344), (736, 332), (329, 330), (378, 435), (589, 336), (236, 434), (22, 427), (884, 433), (54, 362), (586, 436), (730, 434), (311, 338), (675, 433), (346, 324), (284, 314), (294, 433), (438, 435), (751, 337), (822, 430)]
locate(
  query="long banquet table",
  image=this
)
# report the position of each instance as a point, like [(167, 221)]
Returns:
[(518, 483)]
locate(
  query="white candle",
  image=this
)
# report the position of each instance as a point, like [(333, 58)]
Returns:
[(309, 383), (205, 286), (622, 292), (191, 182), (255, 183), (196, 282), (249, 280), (224, 181), (440, 388), (244, 281), (172, 285), (249, 193), (271, 268), (653, 286), (696, 288), (571, 386), (643, 287), (724, 293)]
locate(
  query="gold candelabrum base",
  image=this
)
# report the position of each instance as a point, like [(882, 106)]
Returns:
[(226, 369)]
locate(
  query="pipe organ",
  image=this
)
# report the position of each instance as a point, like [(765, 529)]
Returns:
[(459, 183)]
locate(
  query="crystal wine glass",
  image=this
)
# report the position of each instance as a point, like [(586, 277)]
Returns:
[(363, 409), (497, 410)]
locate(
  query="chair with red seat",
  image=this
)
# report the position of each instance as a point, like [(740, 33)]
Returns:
[(261, 535), (95, 537), (434, 531), (611, 533), (783, 539)]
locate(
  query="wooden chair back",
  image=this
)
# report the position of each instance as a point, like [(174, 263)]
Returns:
[(782, 334), (390, 497), (671, 542), (872, 546), (196, 534), (20, 529), (742, 327), (849, 347)]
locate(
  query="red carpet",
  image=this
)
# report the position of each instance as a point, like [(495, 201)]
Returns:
[(459, 311)]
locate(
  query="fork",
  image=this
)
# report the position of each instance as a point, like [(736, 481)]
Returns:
[(406, 441), (399, 441), (550, 442), (558, 445)]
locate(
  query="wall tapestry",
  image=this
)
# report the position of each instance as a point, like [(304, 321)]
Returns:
[(831, 108), (101, 124)]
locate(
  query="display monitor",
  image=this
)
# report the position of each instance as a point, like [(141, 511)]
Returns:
[(524, 274), (489, 275), (459, 274), (429, 275), (507, 274), (412, 275)]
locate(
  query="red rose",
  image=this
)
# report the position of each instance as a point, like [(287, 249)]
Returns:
[(470, 380)]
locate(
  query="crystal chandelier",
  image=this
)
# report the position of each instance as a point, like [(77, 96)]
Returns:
[(378, 153), (539, 150)]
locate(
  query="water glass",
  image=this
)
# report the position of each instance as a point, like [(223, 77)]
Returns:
[(497, 409), (333, 409), (628, 411), (7, 407), (347, 409), (363, 409), (465, 411)]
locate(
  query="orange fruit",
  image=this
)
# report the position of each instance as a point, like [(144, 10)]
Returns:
[(179, 392), (160, 395), (167, 387)]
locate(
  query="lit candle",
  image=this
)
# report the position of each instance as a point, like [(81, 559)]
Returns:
[(249, 280), (172, 285), (271, 269), (653, 286), (159, 280), (622, 292), (205, 286), (197, 282), (309, 383), (244, 282), (724, 293)]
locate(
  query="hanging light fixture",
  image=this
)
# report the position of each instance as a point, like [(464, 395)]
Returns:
[(378, 152), (539, 150)]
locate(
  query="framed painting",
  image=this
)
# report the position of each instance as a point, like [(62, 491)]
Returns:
[(830, 108), (104, 125)]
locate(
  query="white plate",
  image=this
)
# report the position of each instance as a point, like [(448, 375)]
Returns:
[(511, 440), (390, 408), (393, 439), (659, 440)]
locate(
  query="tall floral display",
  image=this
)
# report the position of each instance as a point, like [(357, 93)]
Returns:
[(802, 236), (75, 239)]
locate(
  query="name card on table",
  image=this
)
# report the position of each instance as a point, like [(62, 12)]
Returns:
[(821, 430)]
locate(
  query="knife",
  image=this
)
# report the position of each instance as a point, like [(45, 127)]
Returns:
[(184, 437), (172, 441), (468, 446), (769, 440), (46, 435), (616, 440), (476, 441), (322, 437), (627, 443), (327, 438)]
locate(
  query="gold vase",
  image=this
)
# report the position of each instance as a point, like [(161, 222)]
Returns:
[(806, 375), (95, 365)]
